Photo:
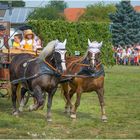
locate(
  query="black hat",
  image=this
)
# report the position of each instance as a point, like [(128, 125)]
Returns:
[(25, 27), (2, 28)]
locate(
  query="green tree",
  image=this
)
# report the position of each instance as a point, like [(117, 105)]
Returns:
[(59, 5), (52, 11), (98, 12), (125, 25), (19, 3)]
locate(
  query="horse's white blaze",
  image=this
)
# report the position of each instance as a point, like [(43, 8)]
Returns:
[(61, 49), (63, 66), (94, 48), (63, 63), (63, 60)]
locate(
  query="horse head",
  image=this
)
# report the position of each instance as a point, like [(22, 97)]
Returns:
[(54, 53), (94, 52), (60, 55)]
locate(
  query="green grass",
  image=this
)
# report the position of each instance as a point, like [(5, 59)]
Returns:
[(122, 96)]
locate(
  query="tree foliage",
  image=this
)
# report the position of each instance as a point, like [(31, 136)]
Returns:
[(19, 3), (98, 12), (59, 5), (125, 25), (52, 11), (77, 35)]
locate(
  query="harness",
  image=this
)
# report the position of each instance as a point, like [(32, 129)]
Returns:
[(93, 73), (45, 68), (85, 71)]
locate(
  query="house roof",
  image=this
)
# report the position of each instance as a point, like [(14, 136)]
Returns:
[(17, 15), (73, 14), (137, 8)]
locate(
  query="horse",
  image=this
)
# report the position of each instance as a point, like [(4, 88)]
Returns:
[(83, 70), (38, 75)]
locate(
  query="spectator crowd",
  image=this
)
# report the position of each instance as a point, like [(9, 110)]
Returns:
[(127, 56)]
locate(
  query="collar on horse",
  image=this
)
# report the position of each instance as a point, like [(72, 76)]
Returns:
[(93, 73)]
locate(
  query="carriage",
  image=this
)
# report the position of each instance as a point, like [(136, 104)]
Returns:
[(5, 60)]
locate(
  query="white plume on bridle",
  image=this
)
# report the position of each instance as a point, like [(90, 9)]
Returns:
[(48, 50), (94, 46)]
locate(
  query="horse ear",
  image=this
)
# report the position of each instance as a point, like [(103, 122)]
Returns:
[(65, 42), (89, 42)]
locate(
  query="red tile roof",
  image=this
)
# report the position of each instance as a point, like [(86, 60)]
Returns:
[(73, 14), (137, 8)]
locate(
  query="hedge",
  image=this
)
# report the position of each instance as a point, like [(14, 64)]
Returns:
[(77, 34)]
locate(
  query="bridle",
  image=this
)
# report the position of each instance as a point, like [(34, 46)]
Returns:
[(80, 62), (53, 57), (61, 52), (90, 49)]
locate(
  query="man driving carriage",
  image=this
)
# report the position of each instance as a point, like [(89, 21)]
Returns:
[(4, 42)]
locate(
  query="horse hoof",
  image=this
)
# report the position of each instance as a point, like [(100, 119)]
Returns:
[(66, 111), (20, 109), (73, 116), (31, 108), (15, 113), (49, 120), (104, 118)]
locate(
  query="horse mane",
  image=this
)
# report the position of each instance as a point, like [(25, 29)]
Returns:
[(47, 51)]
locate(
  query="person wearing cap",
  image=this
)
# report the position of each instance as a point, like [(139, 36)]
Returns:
[(29, 43)]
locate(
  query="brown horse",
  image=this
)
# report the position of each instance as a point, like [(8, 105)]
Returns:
[(83, 70)]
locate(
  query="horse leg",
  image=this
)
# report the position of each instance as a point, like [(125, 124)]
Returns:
[(64, 92), (49, 104), (14, 98), (68, 95), (37, 93), (22, 102), (100, 93), (77, 103), (44, 96)]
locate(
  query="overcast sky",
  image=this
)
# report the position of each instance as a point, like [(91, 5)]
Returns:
[(75, 3)]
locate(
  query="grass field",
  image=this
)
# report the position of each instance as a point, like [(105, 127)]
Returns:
[(122, 96)]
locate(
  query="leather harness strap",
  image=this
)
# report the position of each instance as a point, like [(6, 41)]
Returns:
[(53, 68)]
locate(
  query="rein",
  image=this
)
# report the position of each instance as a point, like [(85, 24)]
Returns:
[(52, 67), (87, 65)]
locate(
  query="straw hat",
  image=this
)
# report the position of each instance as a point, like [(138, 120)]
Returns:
[(28, 32)]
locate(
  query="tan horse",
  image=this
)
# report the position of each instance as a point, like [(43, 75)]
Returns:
[(89, 76)]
